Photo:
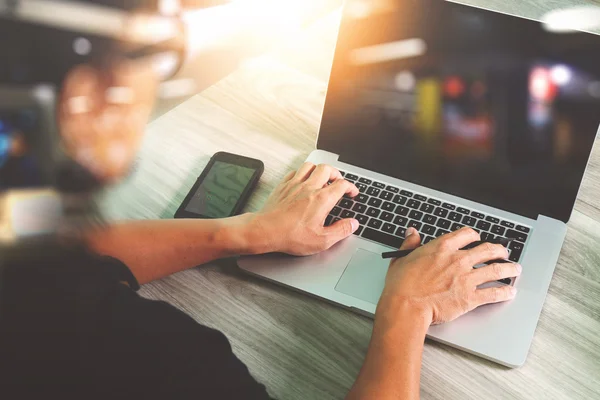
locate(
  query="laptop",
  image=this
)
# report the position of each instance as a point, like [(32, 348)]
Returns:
[(446, 115)]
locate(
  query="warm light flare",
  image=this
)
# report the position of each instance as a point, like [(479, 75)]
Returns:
[(251, 22)]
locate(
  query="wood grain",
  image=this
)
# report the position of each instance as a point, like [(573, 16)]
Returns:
[(302, 348)]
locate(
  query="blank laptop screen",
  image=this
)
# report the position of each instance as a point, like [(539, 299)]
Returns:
[(493, 108)]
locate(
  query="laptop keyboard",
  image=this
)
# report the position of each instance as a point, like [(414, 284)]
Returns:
[(385, 212)]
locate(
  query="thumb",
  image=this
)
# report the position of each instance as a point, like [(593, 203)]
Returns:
[(412, 241), (341, 229)]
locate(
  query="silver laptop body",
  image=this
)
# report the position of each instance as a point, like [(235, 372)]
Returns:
[(352, 273)]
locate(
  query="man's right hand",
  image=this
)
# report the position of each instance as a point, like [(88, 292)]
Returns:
[(439, 280)]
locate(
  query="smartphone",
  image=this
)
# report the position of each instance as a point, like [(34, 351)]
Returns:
[(223, 188)]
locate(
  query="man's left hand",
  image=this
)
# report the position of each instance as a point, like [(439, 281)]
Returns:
[(294, 216)]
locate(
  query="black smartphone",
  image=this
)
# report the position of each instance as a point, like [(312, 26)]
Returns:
[(223, 188)]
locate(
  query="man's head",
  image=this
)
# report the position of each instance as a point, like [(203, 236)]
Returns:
[(77, 86)]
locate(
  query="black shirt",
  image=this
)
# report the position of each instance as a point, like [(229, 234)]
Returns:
[(72, 327)]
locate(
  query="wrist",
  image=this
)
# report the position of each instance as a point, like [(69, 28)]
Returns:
[(395, 311), (246, 235)]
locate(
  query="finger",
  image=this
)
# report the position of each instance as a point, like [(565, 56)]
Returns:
[(412, 241), (337, 189), (340, 230), (459, 239), (495, 272), (323, 174), (288, 177), (304, 172), (493, 295), (482, 253)]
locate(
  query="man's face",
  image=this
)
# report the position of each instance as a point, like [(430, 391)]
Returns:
[(102, 114)]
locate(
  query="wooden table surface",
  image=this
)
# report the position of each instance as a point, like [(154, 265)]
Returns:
[(302, 348)]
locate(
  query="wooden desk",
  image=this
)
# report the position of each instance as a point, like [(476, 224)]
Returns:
[(302, 348)]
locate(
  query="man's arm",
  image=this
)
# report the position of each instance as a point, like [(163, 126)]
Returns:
[(291, 222), (155, 249), (434, 284), (392, 368)]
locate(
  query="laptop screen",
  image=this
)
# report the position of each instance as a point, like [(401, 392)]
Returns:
[(493, 108)]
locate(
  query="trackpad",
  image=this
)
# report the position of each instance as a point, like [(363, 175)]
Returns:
[(364, 277)]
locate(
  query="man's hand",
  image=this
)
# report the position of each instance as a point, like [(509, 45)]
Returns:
[(294, 215), (439, 280)]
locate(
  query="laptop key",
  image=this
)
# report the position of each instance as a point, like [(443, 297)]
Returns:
[(449, 206), (454, 216), (469, 221), (372, 191), (520, 236), (345, 203), (441, 232), (401, 232), (378, 185), (414, 224), (335, 211), (342, 172), (402, 221), (362, 219), (385, 195), (484, 226), (516, 249), (387, 216), (429, 219), (358, 231), (392, 189), (401, 210), (523, 228), (443, 223), (456, 226), (389, 228), (420, 198), (400, 200), (429, 230), (328, 220), (375, 223), (417, 215), (373, 212), (477, 215), (347, 214), (498, 230), (427, 239), (387, 206), (382, 237), (361, 187), (441, 212), (493, 220), (406, 193), (463, 210), (434, 202), (359, 208), (351, 176), (375, 202), (428, 208), (365, 181), (361, 198), (515, 256), (414, 204), (507, 224), (485, 236)]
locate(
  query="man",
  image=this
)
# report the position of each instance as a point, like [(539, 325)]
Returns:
[(72, 326)]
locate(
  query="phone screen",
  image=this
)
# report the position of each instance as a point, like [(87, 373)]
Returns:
[(220, 190)]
